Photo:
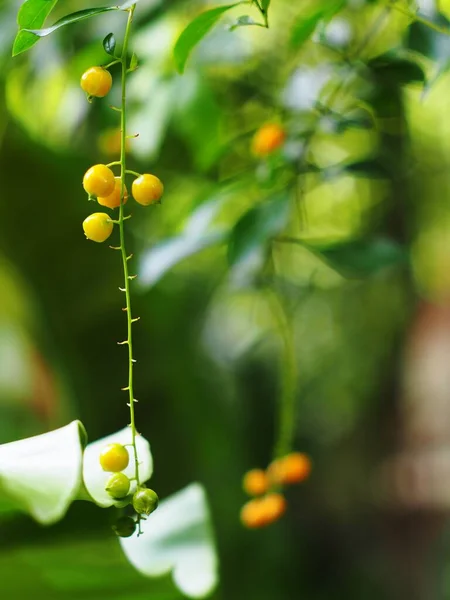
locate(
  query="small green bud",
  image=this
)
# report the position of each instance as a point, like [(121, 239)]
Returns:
[(118, 486), (124, 527), (145, 501)]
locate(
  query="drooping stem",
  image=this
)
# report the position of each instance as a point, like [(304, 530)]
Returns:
[(288, 386), (125, 257)]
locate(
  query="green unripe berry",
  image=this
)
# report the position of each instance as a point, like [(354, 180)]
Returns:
[(118, 486), (145, 501), (124, 527)]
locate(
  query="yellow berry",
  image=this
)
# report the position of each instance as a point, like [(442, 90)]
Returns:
[(267, 139), (99, 180), (274, 506), (252, 514), (98, 227), (147, 189), (113, 200), (255, 482), (293, 468), (118, 485), (114, 458), (96, 82)]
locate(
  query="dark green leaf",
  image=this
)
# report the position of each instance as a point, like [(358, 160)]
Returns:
[(109, 44), (75, 17), (361, 258), (195, 31), (368, 168), (32, 14), (397, 70), (265, 4), (252, 232)]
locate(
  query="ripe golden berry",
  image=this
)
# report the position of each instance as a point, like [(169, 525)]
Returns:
[(273, 507), (255, 482), (114, 458), (145, 501), (292, 468), (98, 227), (96, 82), (113, 200), (147, 189), (252, 514), (99, 180), (267, 139), (118, 486)]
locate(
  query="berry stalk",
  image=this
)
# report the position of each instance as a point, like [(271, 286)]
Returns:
[(125, 257)]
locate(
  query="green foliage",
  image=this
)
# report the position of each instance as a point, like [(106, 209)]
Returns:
[(32, 15), (109, 44), (362, 258), (195, 32)]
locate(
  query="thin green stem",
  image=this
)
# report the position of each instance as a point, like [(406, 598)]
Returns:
[(125, 257), (419, 19), (130, 172), (264, 14), (286, 424)]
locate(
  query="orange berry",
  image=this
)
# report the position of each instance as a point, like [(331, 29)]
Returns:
[(114, 458), (273, 507), (267, 139), (147, 189), (99, 180), (252, 514), (255, 482), (113, 200), (98, 227), (293, 468), (96, 82)]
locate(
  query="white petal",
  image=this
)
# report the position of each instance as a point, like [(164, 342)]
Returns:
[(43, 473), (178, 537), (95, 478)]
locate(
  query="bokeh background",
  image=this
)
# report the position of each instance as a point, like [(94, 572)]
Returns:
[(367, 292)]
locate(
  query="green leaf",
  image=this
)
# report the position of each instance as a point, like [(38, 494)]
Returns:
[(361, 258), (109, 44), (75, 17), (254, 230), (32, 14), (307, 23), (196, 31), (133, 62), (265, 4), (367, 168), (398, 70), (304, 27)]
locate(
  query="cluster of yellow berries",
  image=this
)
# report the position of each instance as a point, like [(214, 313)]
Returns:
[(268, 139), (114, 458), (99, 181), (270, 504)]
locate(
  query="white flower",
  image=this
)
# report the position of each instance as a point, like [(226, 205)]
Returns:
[(177, 537), (42, 474)]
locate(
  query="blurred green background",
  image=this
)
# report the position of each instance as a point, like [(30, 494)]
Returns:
[(367, 180)]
